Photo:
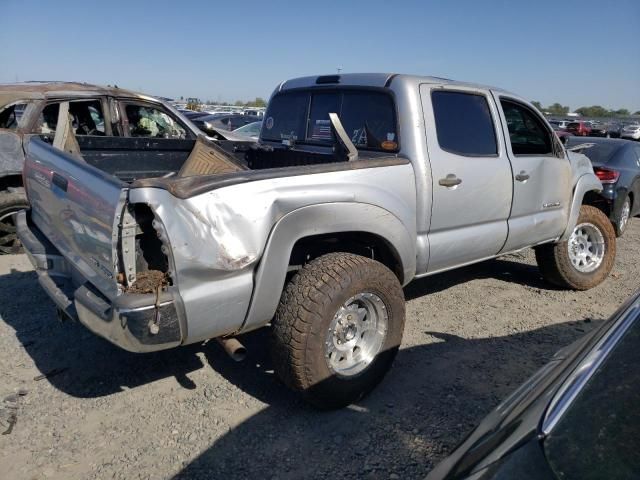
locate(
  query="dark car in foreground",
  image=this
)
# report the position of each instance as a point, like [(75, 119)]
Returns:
[(617, 165), (578, 417)]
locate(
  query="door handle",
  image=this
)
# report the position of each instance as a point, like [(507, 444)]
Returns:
[(450, 181), (522, 176), (59, 181)]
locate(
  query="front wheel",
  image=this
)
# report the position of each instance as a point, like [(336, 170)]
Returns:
[(586, 259), (338, 328)]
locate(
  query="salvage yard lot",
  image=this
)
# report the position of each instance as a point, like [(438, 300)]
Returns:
[(472, 336)]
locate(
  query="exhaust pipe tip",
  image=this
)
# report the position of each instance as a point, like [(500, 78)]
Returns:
[(233, 348)]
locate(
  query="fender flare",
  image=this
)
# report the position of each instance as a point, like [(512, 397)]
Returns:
[(586, 183), (269, 278)]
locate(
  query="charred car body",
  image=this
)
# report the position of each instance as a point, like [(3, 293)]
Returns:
[(110, 124), (359, 184)]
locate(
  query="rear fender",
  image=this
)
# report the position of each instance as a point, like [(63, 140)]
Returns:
[(317, 220)]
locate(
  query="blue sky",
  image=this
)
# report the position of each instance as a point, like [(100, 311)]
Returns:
[(573, 52)]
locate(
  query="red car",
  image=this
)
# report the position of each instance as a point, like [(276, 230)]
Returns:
[(581, 129)]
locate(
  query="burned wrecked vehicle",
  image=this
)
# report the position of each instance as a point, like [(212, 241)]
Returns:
[(359, 184), (110, 125)]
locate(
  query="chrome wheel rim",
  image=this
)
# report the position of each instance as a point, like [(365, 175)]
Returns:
[(586, 247), (356, 334), (624, 215), (9, 241)]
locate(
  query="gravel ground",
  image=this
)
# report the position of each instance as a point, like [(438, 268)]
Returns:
[(472, 336)]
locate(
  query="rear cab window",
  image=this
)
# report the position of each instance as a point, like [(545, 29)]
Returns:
[(302, 117)]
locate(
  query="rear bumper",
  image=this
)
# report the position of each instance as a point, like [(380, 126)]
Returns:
[(124, 320)]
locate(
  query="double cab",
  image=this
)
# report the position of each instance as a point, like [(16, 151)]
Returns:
[(359, 184)]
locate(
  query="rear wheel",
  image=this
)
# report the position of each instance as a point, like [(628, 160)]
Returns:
[(11, 202), (623, 217), (338, 328), (586, 259)]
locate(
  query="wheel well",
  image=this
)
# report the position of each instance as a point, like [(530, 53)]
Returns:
[(595, 200), (10, 181), (365, 244)]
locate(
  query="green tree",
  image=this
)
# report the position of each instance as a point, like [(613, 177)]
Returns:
[(537, 104), (557, 109), (621, 112), (258, 102), (239, 103), (593, 111), (637, 113)]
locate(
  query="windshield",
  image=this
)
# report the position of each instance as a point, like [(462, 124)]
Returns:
[(251, 129), (303, 117)]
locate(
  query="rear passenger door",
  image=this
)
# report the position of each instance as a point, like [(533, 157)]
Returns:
[(541, 176), (471, 174)]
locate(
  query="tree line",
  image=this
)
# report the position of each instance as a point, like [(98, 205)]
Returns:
[(592, 111), (257, 102)]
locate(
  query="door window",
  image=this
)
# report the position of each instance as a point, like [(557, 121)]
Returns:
[(464, 124), (527, 133), (86, 118), (147, 121)]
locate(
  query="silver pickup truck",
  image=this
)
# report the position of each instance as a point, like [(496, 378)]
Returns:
[(359, 184)]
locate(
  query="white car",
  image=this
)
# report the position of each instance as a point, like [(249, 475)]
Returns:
[(560, 123), (631, 131)]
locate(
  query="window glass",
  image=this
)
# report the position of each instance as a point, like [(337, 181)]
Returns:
[(10, 117), (319, 125), (86, 118), (464, 124), (286, 117), (527, 133), (598, 435), (368, 117), (146, 121), (600, 153)]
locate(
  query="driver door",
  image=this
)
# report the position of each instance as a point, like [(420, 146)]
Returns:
[(541, 176)]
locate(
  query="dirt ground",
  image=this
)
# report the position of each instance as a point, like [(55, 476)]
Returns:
[(472, 336)]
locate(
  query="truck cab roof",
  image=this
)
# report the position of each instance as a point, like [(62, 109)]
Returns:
[(380, 80)]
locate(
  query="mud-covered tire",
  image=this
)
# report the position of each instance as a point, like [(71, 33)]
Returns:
[(309, 305), (11, 202), (555, 263)]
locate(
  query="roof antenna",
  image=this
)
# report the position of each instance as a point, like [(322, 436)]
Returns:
[(339, 69)]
